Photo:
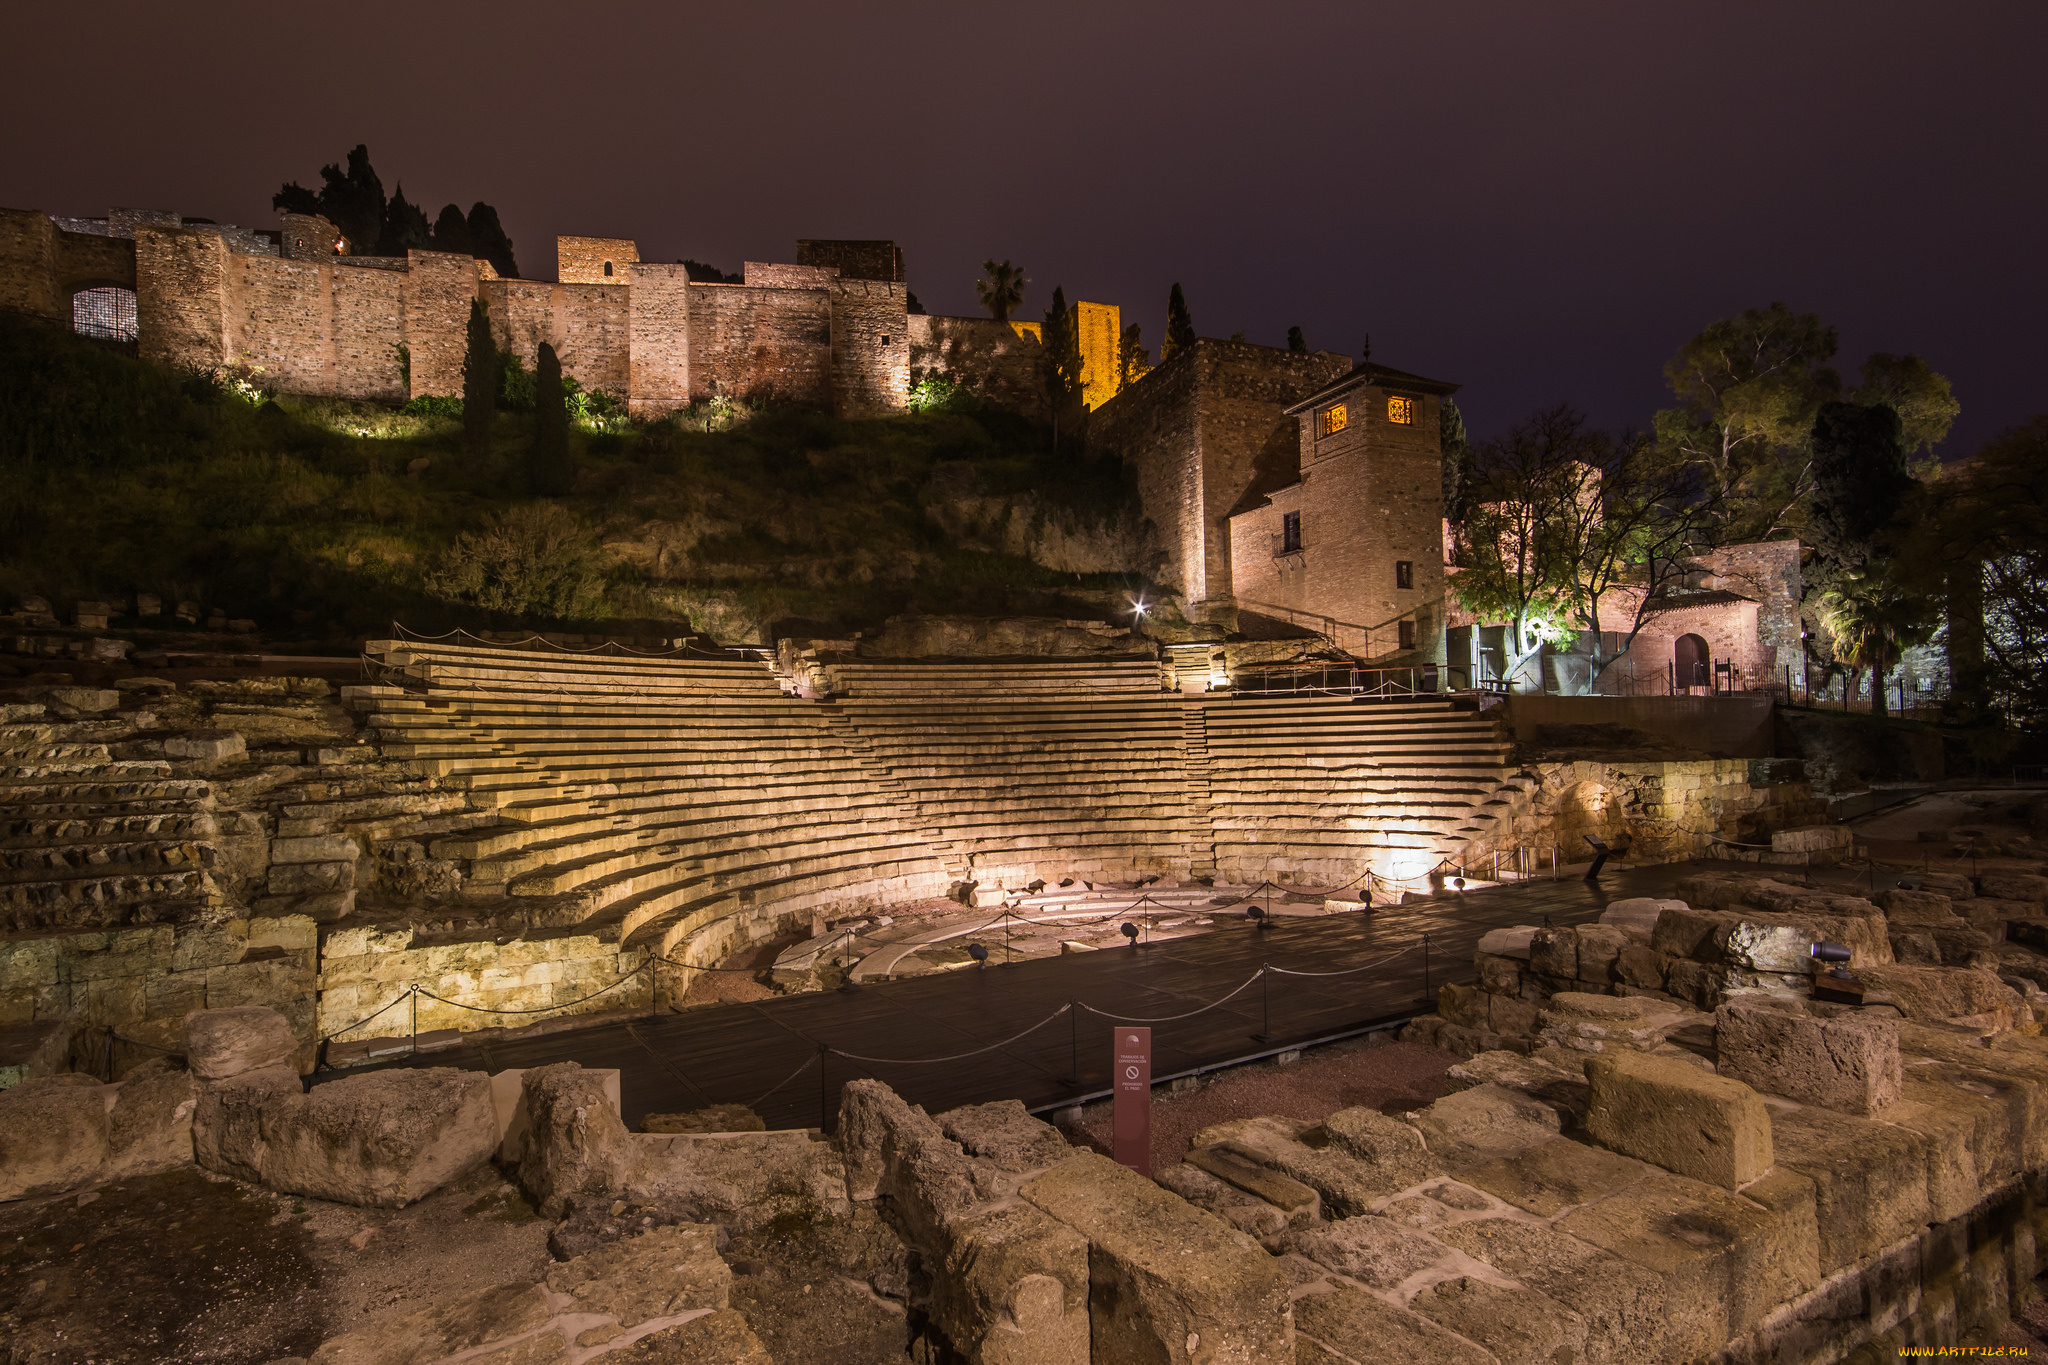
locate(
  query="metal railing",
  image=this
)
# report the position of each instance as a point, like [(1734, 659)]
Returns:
[(1354, 680)]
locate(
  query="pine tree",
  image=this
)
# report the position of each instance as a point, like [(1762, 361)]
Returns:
[(479, 379), (548, 470), (1180, 328), (1296, 342)]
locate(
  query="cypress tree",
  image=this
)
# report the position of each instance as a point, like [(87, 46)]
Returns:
[(548, 470), (1180, 328), (1296, 341), (479, 379)]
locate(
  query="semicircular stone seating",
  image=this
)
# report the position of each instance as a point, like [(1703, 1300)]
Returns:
[(684, 805)]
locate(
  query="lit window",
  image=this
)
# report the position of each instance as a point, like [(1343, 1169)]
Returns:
[(1407, 634), (1404, 573), (607, 269), (1334, 419), (1401, 411)]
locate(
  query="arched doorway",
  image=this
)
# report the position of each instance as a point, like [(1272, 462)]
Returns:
[(1692, 665), (105, 312)]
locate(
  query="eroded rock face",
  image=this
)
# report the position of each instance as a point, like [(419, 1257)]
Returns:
[(742, 1180), (576, 1142), (1849, 1063), (220, 1044), (502, 1311), (1005, 1134), (150, 1126), (53, 1135), (1934, 993), (656, 1275)]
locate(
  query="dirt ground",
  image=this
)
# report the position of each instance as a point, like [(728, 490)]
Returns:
[(1389, 1077)]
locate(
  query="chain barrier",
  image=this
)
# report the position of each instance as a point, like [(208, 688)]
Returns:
[(958, 1056)]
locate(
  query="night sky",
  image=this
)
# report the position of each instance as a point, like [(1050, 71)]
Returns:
[(1540, 201)]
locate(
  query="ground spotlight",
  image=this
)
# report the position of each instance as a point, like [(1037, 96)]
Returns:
[(1260, 917), (1458, 882), (1130, 931), (978, 952)]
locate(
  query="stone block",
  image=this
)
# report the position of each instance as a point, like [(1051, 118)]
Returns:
[(1377, 1252), (381, 1140), (1394, 1150), (1465, 1006), (53, 1135), (1512, 1323), (149, 1128), (1690, 933), (1552, 1176), (91, 700), (1637, 915), (1512, 943), (719, 1338), (749, 1180), (1949, 1129), (1168, 1281), (1365, 1327), (1902, 906), (1724, 1261), (1498, 975), (31, 1050), (298, 879), (1849, 1063), (1642, 967), (1283, 1192), (1554, 952), (1600, 949), (315, 848), (575, 1141), (1869, 1179), (1620, 1302), (1012, 1288), (224, 1043), (660, 1273), (1951, 884), (206, 746), (1813, 839), (1507, 1015), (1484, 1123), (1679, 1117), (2013, 886), (1944, 993), (1346, 1183), (1595, 1023)]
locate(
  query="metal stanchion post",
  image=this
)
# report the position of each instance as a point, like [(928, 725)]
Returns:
[(1425, 969), (824, 1090), (413, 996)]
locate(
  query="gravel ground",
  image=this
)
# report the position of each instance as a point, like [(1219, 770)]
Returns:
[(1390, 1077)]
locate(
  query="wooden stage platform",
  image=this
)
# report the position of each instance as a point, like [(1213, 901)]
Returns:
[(768, 1054)]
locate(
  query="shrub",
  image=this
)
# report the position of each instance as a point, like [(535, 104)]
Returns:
[(531, 560)]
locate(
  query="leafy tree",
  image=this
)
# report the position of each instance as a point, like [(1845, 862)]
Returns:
[(1296, 342), (548, 468), (1926, 405), (1456, 456), (1180, 328), (488, 240), (1860, 483), (1132, 359), (533, 560), (1062, 339), (405, 226), (451, 231), (351, 199), (1873, 617), (1001, 288), (1748, 389), (701, 273), (480, 379)]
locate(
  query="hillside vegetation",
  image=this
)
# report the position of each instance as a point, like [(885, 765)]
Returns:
[(325, 521)]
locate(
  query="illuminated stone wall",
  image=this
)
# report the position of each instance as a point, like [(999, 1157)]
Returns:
[(324, 327), (584, 260), (658, 340), (588, 325), (1101, 329), (998, 362), (870, 348), (28, 263), (438, 290), (181, 297), (1202, 430), (749, 340)]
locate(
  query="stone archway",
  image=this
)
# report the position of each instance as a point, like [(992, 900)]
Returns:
[(104, 310), (1692, 663)]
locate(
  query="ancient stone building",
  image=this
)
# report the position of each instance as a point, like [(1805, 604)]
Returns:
[(1202, 431), (1354, 538)]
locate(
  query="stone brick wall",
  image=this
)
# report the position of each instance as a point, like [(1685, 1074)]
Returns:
[(1101, 328), (1730, 630), (658, 340), (181, 296), (870, 348), (1197, 429), (90, 258), (28, 263), (438, 288), (322, 327), (990, 357), (770, 275), (307, 237), (747, 340), (1767, 571), (589, 325), (364, 969), (582, 260), (853, 260)]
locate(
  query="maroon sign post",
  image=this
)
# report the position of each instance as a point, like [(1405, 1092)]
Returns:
[(1131, 1123)]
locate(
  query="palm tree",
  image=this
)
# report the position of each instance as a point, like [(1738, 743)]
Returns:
[(1001, 289), (1874, 619)]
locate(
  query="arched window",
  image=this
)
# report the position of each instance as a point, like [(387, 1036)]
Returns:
[(106, 312), (1691, 663), (607, 269)]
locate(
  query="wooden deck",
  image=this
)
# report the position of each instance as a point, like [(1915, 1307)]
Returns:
[(767, 1054)]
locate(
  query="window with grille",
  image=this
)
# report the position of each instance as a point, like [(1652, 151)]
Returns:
[(1407, 634), (106, 312), (1401, 411), (1404, 573), (1290, 533), (1334, 418)]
